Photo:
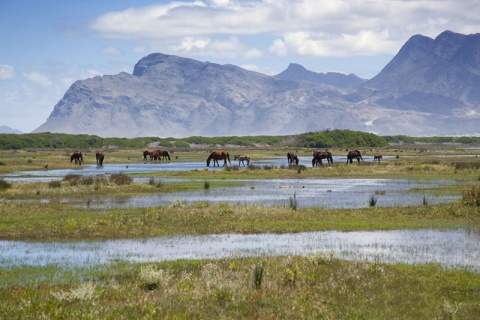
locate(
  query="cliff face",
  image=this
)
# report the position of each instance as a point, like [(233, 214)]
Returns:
[(429, 88)]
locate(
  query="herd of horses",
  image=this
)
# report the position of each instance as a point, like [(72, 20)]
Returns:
[(292, 158)]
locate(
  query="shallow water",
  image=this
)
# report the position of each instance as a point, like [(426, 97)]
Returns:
[(451, 249), (326, 193)]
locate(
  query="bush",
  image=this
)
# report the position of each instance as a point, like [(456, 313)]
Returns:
[(471, 195), (4, 184), (55, 184), (120, 178)]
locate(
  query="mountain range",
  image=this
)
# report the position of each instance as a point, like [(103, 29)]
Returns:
[(430, 87)]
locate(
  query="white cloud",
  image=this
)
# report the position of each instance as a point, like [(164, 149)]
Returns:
[(111, 50), (38, 78), (6, 72), (303, 27), (204, 46)]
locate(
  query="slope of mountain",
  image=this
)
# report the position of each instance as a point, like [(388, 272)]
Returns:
[(297, 72), (6, 129), (429, 88)]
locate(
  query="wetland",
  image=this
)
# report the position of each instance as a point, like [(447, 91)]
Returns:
[(236, 241)]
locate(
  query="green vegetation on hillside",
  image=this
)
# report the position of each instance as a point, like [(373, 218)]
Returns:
[(319, 139)]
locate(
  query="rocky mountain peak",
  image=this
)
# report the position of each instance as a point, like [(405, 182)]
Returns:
[(429, 88)]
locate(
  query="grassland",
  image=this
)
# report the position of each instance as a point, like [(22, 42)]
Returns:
[(313, 287)]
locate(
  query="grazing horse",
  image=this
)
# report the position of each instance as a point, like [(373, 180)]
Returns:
[(164, 154), (354, 154), (292, 158), (319, 155), (218, 155), (147, 153), (377, 157), (99, 156), (242, 159), (78, 157), (156, 155)]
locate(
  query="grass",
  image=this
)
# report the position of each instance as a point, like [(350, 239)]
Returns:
[(314, 287), (317, 286), (59, 221)]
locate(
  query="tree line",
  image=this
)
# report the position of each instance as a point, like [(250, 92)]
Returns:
[(319, 139)]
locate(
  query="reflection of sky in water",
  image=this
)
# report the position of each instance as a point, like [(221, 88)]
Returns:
[(145, 167), (327, 193), (452, 248)]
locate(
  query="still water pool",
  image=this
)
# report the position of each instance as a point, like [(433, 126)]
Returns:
[(451, 249)]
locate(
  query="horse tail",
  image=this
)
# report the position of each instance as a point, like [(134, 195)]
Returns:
[(228, 157), (168, 155)]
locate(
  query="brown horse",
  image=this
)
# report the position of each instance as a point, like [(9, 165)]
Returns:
[(99, 156), (218, 155), (242, 159), (292, 158), (78, 157), (377, 157), (319, 155), (156, 155), (147, 153), (354, 154)]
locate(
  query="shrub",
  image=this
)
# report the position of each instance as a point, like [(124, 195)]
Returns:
[(471, 195), (151, 278), (121, 178), (55, 184), (4, 184)]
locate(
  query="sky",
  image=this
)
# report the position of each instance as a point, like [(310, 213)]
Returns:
[(47, 45)]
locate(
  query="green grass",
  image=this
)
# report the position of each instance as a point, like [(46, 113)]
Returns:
[(314, 287), (59, 221)]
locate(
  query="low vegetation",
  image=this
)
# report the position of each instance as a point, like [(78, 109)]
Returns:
[(315, 286), (320, 139)]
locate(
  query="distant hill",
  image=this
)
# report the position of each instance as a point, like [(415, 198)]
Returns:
[(430, 88), (6, 129), (296, 72)]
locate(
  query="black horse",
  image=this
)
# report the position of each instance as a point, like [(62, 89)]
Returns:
[(354, 154), (292, 158), (319, 155), (99, 156), (78, 157)]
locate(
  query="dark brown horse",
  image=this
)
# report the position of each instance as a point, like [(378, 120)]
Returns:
[(162, 155), (377, 157), (319, 155), (147, 153), (354, 154), (292, 158), (99, 156), (218, 155), (242, 159), (155, 155), (78, 157)]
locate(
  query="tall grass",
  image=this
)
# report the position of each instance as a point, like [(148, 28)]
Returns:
[(120, 178), (471, 195), (4, 184), (294, 288)]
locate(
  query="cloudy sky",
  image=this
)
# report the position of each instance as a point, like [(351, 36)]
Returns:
[(46, 45)]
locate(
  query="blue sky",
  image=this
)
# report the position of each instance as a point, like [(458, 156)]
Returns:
[(46, 45)]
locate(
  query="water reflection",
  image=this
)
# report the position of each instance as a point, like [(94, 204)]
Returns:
[(451, 249), (326, 193)]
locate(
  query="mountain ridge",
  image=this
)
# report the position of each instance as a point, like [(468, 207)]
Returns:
[(173, 96)]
